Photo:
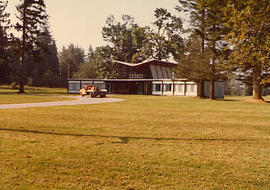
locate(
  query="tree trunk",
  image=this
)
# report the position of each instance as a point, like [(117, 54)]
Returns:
[(212, 80), (23, 52), (257, 87), (203, 33), (212, 89), (201, 89), (201, 83)]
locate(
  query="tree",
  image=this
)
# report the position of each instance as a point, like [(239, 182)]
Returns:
[(163, 43), (88, 68), (140, 37), (14, 59), (119, 36), (197, 11), (249, 36), (46, 61), (4, 55), (193, 65), (70, 59), (105, 68), (90, 54), (130, 43), (32, 15), (121, 46), (216, 31), (206, 21)]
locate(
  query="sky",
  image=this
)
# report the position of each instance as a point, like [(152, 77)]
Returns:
[(80, 21)]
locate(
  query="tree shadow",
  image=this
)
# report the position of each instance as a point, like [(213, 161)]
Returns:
[(123, 139), (6, 90), (227, 100)]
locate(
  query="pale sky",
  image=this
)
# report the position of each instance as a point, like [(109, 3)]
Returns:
[(80, 21)]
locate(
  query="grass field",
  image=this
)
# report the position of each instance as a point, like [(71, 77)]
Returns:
[(145, 142), (9, 95)]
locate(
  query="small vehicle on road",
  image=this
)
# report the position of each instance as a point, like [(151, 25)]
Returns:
[(93, 91)]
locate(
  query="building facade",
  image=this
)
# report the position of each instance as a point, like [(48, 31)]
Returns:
[(152, 77)]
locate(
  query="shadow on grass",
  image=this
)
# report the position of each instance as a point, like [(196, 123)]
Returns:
[(227, 100), (34, 93), (124, 140), (7, 90)]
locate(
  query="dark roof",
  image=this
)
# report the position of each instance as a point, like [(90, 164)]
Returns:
[(144, 62), (128, 80)]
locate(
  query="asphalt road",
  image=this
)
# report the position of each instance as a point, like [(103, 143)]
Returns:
[(78, 101)]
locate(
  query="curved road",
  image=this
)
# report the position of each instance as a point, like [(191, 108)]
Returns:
[(78, 101)]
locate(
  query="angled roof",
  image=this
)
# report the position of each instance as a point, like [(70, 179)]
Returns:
[(144, 62)]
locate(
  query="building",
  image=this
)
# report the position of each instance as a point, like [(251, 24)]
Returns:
[(151, 77)]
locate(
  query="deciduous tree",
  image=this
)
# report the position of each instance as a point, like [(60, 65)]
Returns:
[(70, 59), (249, 37)]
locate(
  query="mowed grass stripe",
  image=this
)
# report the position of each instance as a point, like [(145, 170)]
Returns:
[(146, 142)]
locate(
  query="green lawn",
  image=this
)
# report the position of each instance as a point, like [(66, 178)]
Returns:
[(32, 95), (145, 142)]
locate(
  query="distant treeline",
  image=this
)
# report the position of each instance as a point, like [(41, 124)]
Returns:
[(227, 40)]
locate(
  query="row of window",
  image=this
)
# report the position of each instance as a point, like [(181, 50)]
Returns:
[(156, 87), (77, 86), (74, 86), (135, 76), (178, 87)]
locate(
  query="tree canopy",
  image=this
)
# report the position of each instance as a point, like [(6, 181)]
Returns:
[(249, 36), (32, 15)]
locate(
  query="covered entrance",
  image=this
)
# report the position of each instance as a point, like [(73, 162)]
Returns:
[(129, 86)]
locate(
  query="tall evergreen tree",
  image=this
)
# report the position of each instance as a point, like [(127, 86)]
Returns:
[(192, 64), (45, 69), (197, 12), (206, 20), (4, 26), (32, 15), (90, 53), (216, 31)]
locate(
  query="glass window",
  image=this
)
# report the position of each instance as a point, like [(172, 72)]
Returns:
[(157, 87), (191, 88), (168, 87), (70, 86), (180, 88)]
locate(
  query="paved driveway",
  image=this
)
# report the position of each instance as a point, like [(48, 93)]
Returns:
[(78, 101)]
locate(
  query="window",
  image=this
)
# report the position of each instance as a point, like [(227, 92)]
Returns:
[(74, 86), (157, 87), (168, 87), (191, 88), (136, 76), (180, 88)]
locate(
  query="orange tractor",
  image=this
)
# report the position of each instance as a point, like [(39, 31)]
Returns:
[(93, 91)]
